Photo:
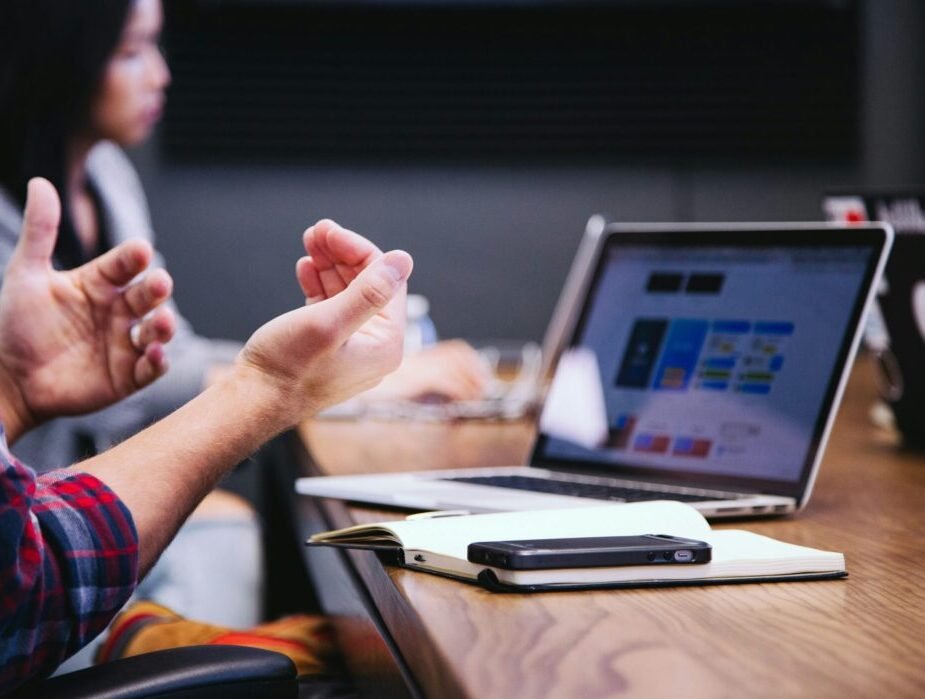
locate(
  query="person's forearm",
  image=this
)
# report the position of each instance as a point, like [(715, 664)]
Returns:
[(162, 473)]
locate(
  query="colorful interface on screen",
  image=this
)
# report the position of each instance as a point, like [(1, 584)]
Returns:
[(716, 360)]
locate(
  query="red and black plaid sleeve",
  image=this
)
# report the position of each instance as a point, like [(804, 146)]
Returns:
[(68, 562)]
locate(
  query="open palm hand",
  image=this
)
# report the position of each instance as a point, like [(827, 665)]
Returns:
[(77, 341)]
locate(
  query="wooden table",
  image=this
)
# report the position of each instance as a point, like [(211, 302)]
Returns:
[(411, 634)]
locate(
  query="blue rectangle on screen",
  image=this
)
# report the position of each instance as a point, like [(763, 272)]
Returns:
[(719, 363), (774, 328), (714, 385), (756, 388), (643, 441), (732, 327), (682, 349), (777, 361), (641, 352)]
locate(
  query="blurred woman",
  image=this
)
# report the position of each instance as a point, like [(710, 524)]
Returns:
[(78, 81)]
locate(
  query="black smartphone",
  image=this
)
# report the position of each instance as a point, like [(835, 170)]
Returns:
[(590, 552)]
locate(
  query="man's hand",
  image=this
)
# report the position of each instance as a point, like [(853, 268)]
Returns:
[(348, 336), (343, 342), (450, 370), (76, 341)]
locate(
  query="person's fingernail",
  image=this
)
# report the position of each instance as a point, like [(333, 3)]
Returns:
[(398, 264), (162, 283)]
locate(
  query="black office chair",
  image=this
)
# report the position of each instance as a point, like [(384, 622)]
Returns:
[(194, 672)]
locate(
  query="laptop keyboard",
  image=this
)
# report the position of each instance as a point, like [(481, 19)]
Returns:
[(582, 490)]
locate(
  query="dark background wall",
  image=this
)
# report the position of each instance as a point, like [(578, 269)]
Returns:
[(493, 238)]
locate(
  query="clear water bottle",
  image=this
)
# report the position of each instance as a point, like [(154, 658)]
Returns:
[(420, 330)]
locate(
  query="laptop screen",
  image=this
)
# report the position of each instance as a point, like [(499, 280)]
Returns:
[(706, 358)]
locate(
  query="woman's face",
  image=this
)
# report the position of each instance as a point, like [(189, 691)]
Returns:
[(131, 96)]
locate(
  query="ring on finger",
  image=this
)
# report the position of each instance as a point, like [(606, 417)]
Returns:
[(134, 335)]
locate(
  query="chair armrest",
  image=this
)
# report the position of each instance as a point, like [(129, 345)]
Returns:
[(194, 672)]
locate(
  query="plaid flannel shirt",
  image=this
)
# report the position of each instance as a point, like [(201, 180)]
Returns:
[(68, 562)]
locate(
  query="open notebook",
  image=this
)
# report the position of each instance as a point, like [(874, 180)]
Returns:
[(438, 544)]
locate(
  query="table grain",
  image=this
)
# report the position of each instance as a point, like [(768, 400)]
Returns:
[(863, 636)]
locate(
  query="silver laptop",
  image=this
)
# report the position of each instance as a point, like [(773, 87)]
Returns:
[(705, 365)]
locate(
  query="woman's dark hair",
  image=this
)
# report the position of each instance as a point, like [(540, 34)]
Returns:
[(53, 54)]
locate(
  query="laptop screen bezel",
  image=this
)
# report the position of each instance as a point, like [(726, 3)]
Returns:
[(788, 236)]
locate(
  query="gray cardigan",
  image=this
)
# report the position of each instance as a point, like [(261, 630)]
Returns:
[(125, 212)]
